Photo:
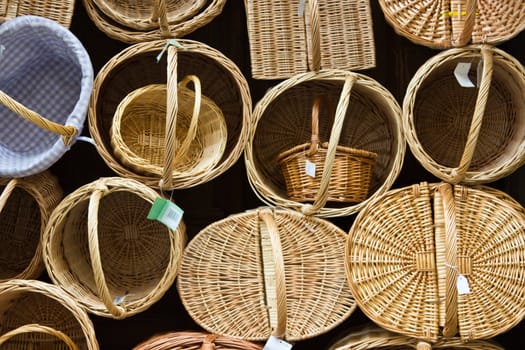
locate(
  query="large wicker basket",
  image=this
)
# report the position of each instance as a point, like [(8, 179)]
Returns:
[(101, 248), (38, 315), (195, 341), (25, 207), (58, 11), (294, 37), (266, 272), (367, 118), (448, 23), (136, 67), (467, 134), (430, 260)]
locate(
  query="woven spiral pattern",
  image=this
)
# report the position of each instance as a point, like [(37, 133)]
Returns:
[(195, 341)]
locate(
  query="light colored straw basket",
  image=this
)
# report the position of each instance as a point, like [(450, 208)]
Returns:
[(161, 23), (38, 315), (266, 272), (44, 92), (101, 249), (367, 118), (25, 207), (467, 134), (454, 23), (292, 37), (136, 67), (433, 260), (58, 11), (195, 341)]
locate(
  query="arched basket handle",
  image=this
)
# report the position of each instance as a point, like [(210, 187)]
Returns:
[(313, 36), (32, 328), (469, 21), (6, 193)]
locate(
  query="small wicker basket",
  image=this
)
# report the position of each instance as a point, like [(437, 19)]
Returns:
[(195, 341), (58, 11), (438, 271), (101, 248)]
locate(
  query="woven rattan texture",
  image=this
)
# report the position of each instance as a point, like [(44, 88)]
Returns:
[(195, 341), (58, 11)]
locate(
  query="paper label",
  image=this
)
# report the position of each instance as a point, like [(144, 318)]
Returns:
[(275, 343), (310, 168), (462, 285), (461, 74), (166, 212)]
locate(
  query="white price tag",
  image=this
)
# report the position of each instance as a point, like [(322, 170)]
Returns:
[(310, 168), (275, 343), (461, 74), (166, 212), (462, 285)]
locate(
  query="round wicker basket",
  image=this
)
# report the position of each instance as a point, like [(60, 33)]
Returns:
[(135, 67), (195, 341), (101, 248), (38, 315), (467, 134), (367, 118), (428, 261), (266, 272), (21, 249)]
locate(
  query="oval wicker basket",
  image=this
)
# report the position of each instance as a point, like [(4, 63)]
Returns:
[(25, 207), (266, 272), (101, 248), (411, 252), (44, 92), (467, 134), (135, 67), (449, 23), (38, 315), (195, 341), (58, 11), (367, 118)]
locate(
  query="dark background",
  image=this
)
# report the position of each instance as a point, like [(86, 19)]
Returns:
[(397, 60)]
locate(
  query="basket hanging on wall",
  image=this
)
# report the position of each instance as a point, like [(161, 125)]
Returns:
[(25, 207), (470, 134), (58, 11), (287, 270), (361, 159), (44, 92), (436, 260), (101, 249), (196, 341), (38, 315)]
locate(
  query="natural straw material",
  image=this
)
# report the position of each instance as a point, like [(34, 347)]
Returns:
[(25, 207), (266, 272), (367, 117), (136, 67), (292, 37), (411, 254), (195, 341), (467, 134), (38, 315), (447, 23), (58, 11), (101, 248)]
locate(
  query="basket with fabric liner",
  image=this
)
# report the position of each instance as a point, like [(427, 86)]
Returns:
[(102, 250), (136, 67), (266, 272), (195, 341), (25, 207), (467, 134), (455, 23), (367, 118), (39, 315), (436, 260), (58, 11), (44, 92)]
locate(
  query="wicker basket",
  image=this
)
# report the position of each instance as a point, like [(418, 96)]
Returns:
[(38, 315), (44, 92), (58, 11), (462, 134), (408, 262), (286, 39), (25, 207), (113, 260), (135, 67), (368, 118), (195, 341), (449, 23), (266, 272), (138, 132)]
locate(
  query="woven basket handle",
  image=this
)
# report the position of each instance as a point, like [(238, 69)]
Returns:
[(458, 174), (315, 141), (6, 193), (468, 22), (160, 14), (31, 328), (314, 49), (94, 253), (68, 132), (340, 113), (275, 255)]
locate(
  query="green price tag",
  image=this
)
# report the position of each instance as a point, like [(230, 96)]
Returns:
[(166, 212)]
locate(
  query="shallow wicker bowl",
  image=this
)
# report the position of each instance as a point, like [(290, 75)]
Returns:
[(195, 341)]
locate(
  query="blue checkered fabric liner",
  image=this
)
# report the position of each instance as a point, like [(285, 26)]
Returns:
[(46, 68)]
